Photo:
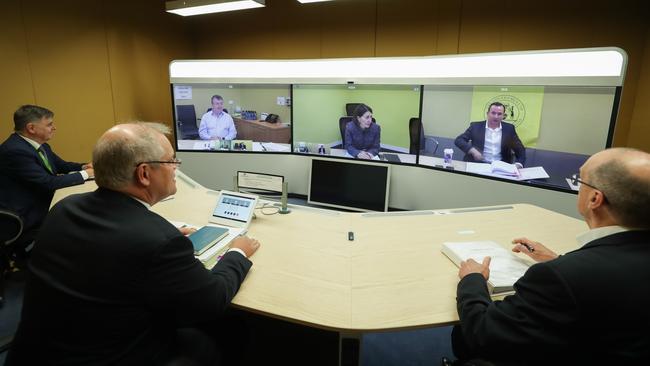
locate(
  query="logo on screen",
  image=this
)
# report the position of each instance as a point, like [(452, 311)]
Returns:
[(515, 112)]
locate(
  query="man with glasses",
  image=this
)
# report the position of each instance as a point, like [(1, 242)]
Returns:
[(114, 283), (31, 171), (589, 306)]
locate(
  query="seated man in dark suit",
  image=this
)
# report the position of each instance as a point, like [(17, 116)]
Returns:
[(492, 139), (586, 307), (113, 283), (31, 171)]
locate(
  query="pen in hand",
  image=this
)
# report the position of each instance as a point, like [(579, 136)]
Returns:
[(530, 249)]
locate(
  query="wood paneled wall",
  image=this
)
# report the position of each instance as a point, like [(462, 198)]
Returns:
[(92, 63), (101, 62), (366, 28)]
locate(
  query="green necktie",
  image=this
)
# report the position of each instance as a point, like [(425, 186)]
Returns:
[(41, 153)]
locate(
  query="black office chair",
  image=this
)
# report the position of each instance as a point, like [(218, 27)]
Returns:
[(210, 110), (186, 122), (418, 142), (343, 121), (11, 227), (350, 107)]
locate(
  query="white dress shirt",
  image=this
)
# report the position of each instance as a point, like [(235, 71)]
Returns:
[(598, 233), (492, 147), (217, 126)]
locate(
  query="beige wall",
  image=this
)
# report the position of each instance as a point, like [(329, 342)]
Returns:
[(98, 62)]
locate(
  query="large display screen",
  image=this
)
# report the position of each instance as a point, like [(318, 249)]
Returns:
[(353, 185), (545, 133), (232, 117), (371, 122)]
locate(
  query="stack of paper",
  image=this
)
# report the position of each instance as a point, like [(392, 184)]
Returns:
[(505, 267)]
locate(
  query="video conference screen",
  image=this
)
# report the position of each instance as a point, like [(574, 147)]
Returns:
[(537, 135), (368, 122), (546, 132), (232, 117)]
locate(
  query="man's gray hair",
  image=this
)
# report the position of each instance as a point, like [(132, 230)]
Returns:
[(115, 157), (627, 194)]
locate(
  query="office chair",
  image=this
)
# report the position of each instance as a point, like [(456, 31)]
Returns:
[(418, 142), (350, 107), (11, 226), (343, 121), (186, 120)]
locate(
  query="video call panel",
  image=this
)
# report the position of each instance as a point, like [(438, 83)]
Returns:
[(558, 126), (233, 117), (356, 121)]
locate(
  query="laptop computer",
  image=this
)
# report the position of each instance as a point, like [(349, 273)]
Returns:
[(233, 211)]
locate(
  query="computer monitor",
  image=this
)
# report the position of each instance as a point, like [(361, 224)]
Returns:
[(353, 185)]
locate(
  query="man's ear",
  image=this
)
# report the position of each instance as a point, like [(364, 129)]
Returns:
[(142, 175), (597, 199)]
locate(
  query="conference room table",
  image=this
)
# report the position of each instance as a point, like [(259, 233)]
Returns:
[(392, 276)]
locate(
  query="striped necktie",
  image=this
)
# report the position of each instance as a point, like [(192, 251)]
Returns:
[(41, 153)]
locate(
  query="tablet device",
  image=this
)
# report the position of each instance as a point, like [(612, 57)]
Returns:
[(234, 209)]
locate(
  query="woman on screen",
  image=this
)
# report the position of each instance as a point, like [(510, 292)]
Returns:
[(362, 134)]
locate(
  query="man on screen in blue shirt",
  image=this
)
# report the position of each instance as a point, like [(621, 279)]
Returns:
[(217, 124)]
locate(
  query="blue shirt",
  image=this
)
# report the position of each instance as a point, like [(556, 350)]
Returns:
[(358, 139)]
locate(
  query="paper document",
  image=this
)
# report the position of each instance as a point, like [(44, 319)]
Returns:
[(505, 267), (204, 145), (270, 146), (505, 171)]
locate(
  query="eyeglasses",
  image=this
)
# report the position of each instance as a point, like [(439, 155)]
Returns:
[(575, 180), (176, 161)]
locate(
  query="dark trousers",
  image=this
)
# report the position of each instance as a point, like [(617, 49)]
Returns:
[(222, 343)]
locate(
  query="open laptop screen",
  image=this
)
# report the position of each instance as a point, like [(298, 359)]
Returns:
[(234, 207)]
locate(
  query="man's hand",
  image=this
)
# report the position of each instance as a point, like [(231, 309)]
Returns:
[(87, 166), (364, 155), (90, 171), (533, 249), (475, 154), (248, 245), (472, 266), (186, 230)]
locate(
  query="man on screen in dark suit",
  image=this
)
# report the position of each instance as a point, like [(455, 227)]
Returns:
[(586, 307), (31, 171), (492, 139), (113, 283)]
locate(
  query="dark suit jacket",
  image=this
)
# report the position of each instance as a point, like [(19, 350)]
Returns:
[(587, 307), (111, 282), (474, 136), (27, 185)]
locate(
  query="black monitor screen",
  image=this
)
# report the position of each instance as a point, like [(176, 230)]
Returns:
[(352, 185)]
